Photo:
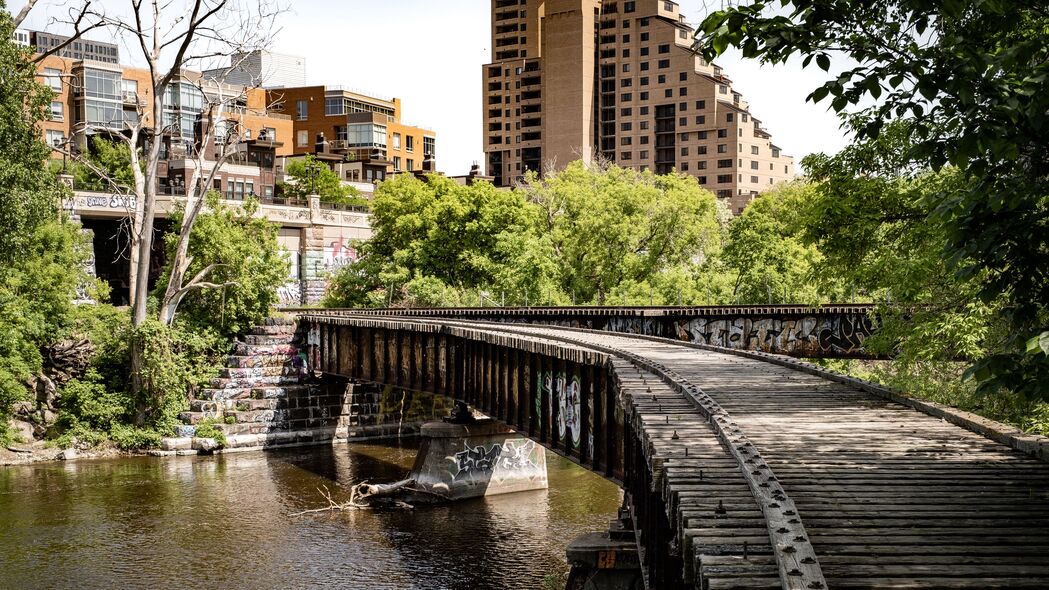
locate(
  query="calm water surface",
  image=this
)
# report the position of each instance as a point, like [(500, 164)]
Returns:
[(226, 522)]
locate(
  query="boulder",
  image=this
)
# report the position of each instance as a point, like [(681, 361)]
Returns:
[(22, 430), (23, 409), (176, 443), (67, 455), (205, 445)]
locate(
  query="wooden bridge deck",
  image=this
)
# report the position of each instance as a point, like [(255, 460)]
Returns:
[(776, 478)]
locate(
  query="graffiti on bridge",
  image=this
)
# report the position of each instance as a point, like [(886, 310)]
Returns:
[(517, 457), (809, 335), (564, 397)]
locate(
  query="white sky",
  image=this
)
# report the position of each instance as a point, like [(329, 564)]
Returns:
[(429, 53)]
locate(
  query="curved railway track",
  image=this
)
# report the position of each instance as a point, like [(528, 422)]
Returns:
[(777, 478)]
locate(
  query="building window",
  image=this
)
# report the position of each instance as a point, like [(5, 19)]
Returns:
[(411, 164), (775, 152), (682, 106), (333, 106), (397, 143), (626, 38), (644, 140), (668, 93), (302, 109), (722, 148), (409, 143), (625, 97), (129, 88), (397, 163), (644, 96), (664, 48), (684, 137), (684, 166), (626, 126), (643, 22), (644, 66), (625, 112), (624, 141), (701, 119), (53, 79), (683, 76), (702, 180), (726, 163), (644, 125), (701, 104), (702, 164), (629, 7), (701, 150), (683, 91), (723, 178), (55, 137), (644, 36), (626, 67), (644, 80), (626, 52), (626, 83), (722, 133), (644, 154), (662, 79), (664, 63), (702, 134), (683, 121), (302, 138), (684, 151), (625, 155), (644, 110), (722, 89), (728, 117), (644, 52), (753, 164), (57, 113), (754, 179), (429, 146)]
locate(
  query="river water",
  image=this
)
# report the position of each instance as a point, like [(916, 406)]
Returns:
[(228, 522)]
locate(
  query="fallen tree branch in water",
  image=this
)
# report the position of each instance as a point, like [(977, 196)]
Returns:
[(360, 495)]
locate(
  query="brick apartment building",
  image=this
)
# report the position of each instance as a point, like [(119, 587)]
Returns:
[(361, 137), (575, 79)]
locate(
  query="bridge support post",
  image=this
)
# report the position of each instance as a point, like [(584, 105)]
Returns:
[(606, 561), (482, 458)]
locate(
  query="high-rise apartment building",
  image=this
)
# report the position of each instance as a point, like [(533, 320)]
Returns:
[(572, 79)]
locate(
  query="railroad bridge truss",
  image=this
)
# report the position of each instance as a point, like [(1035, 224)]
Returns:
[(741, 469)]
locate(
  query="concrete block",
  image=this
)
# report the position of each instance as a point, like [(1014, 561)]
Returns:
[(176, 443)]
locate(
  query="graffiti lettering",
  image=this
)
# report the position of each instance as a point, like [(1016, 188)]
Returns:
[(482, 460), (564, 398), (290, 293)]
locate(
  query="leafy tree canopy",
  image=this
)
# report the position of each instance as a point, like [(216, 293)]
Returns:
[(311, 176), (971, 80), (237, 251)]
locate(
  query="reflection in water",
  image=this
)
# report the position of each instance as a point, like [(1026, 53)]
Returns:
[(225, 521)]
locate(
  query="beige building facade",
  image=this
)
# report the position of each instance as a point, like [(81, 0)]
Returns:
[(573, 79)]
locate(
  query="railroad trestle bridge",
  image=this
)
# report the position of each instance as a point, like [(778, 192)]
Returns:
[(741, 469)]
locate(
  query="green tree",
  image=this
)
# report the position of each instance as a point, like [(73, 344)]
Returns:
[(766, 255), (311, 176), (972, 82), (41, 258), (237, 264), (610, 226), (105, 167)]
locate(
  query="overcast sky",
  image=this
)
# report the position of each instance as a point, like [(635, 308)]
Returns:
[(429, 53)]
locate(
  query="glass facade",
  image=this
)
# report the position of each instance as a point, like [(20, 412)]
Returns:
[(366, 135), (183, 104)]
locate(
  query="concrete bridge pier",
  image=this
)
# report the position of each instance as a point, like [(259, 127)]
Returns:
[(474, 459)]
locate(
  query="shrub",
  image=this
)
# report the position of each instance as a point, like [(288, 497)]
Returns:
[(131, 438), (208, 428)]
